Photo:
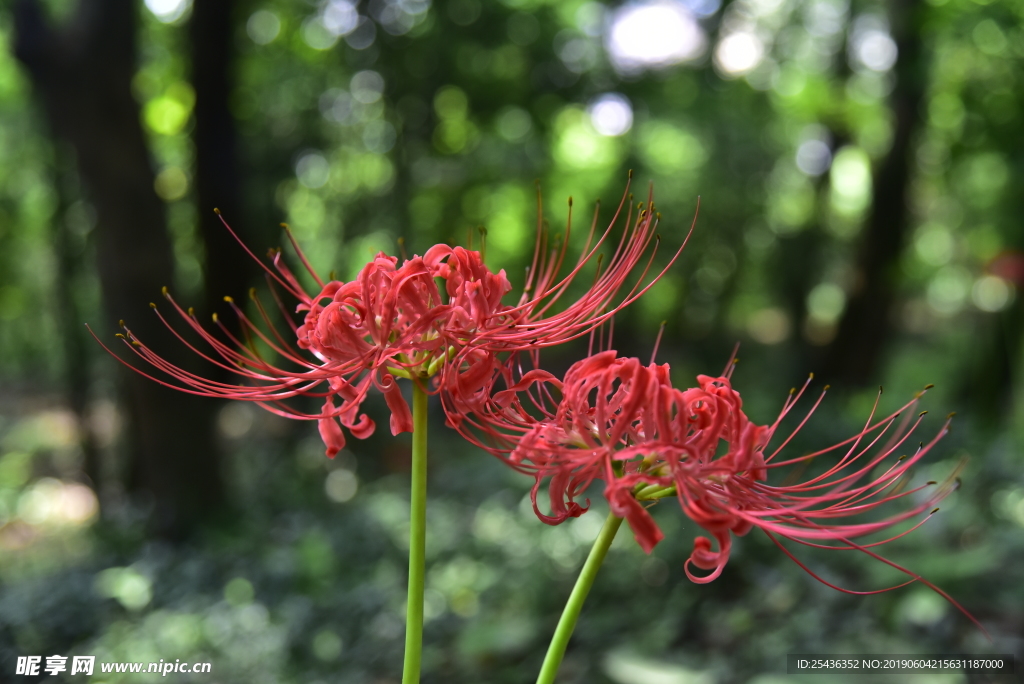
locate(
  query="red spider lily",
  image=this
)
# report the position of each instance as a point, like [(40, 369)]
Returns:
[(622, 422), (534, 323), (390, 321), (393, 321)]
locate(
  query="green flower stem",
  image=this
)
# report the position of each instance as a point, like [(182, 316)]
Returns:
[(567, 623), (654, 492), (417, 538)]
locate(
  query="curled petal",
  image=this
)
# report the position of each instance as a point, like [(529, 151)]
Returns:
[(401, 416), (704, 558), (506, 397), (560, 509), (330, 430), (363, 427), (624, 505)]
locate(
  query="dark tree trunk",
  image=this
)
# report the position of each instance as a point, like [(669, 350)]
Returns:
[(854, 357), (82, 75), (227, 269), (75, 342), (988, 384)]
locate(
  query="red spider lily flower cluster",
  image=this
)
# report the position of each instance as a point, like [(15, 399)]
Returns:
[(533, 323), (394, 321), (624, 423)]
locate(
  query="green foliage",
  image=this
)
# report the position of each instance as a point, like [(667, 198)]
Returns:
[(433, 121)]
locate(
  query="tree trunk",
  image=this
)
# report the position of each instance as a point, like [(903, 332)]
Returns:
[(77, 346), (854, 357), (82, 75), (228, 270)]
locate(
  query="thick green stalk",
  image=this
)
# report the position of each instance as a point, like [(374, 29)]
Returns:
[(567, 623), (417, 538)]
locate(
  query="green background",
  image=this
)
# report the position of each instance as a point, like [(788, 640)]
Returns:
[(860, 168)]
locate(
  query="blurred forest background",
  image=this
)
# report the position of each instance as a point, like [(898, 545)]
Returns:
[(861, 172)]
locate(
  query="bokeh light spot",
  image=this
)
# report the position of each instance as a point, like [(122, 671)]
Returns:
[(168, 11), (239, 592), (875, 49), (129, 587), (367, 86), (653, 34), (739, 53), (813, 157), (769, 326), (341, 485), (316, 35), (340, 17), (948, 290), (514, 123), (934, 244), (851, 181), (171, 184), (611, 114), (991, 293), (263, 27), (826, 302), (327, 645), (313, 170)]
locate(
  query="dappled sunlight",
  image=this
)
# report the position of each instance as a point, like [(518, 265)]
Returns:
[(654, 34), (52, 503), (168, 11), (44, 521)]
